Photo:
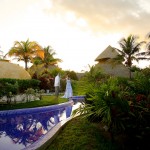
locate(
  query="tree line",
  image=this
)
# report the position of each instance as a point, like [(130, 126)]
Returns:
[(31, 51)]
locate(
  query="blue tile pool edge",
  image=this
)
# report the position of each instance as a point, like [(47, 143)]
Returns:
[(36, 110), (44, 141)]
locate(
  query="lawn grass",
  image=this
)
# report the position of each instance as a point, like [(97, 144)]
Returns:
[(80, 134), (45, 101)]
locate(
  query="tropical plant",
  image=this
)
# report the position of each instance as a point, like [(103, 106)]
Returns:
[(71, 74), (46, 81), (145, 55), (121, 105), (137, 124), (107, 103), (25, 51), (94, 75), (129, 50), (140, 84), (48, 58), (29, 92), (146, 72)]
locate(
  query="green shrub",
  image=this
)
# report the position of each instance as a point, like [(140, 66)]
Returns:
[(17, 86), (123, 105)]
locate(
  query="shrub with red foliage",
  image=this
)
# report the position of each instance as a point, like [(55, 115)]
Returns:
[(140, 97)]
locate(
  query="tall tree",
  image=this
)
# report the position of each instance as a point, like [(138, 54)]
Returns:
[(48, 58), (26, 51), (145, 55), (129, 50)]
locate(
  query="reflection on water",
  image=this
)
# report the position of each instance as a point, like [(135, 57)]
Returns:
[(23, 130)]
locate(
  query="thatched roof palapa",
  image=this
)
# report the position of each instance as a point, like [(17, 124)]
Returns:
[(107, 66), (13, 71), (108, 53)]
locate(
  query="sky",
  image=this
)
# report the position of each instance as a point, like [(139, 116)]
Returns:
[(77, 30)]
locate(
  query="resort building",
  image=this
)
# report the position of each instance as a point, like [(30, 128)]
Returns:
[(105, 63), (13, 71)]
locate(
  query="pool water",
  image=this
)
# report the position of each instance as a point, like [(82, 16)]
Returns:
[(21, 128)]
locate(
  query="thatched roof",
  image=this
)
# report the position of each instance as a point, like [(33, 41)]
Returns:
[(14, 71), (107, 66), (108, 53)]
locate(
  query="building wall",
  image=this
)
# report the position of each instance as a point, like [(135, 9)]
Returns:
[(117, 70)]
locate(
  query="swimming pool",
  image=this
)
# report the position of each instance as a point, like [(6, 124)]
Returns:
[(23, 127)]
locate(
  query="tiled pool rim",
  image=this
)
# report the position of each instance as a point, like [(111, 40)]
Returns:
[(43, 142), (50, 135), (35, 110)]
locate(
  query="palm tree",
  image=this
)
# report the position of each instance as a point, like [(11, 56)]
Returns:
[(48, 58), (25, 51), (147, 52), (145, 55), (129, 50)]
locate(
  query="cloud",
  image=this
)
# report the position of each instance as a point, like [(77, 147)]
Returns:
[(109, 16), (78, 30)]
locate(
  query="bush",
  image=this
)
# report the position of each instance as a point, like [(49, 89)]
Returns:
[(123, 105), (17, 86)]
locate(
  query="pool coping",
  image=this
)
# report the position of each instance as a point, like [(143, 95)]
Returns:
[(46, 139)]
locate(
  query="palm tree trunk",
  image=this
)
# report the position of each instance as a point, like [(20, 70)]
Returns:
[(26, 67)]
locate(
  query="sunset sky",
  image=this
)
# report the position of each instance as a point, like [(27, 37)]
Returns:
[(77, 30)]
